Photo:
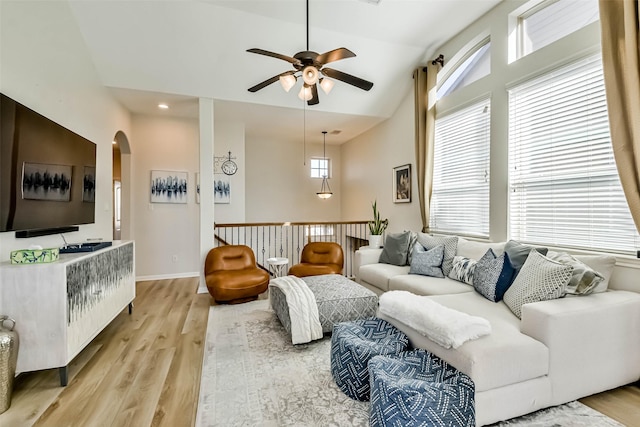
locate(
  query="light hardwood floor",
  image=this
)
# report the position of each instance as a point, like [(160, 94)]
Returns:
[(144, 370)]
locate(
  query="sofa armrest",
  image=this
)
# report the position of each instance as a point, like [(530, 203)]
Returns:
[(593, 341), (366, 256)]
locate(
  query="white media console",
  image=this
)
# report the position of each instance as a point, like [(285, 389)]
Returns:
[(60, 307)]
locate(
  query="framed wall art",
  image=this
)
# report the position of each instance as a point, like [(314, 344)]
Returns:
[(221, 188), (402, 184), (168, 187)]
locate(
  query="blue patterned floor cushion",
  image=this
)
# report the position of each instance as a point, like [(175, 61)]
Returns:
[(417, 388), (339, 300), (353, 344)]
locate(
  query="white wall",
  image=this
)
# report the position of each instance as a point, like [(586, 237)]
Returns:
[(167, 235), (279, 187), (45, 65), (367, 171)]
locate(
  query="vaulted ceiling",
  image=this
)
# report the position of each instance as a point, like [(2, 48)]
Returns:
[(176, 51)]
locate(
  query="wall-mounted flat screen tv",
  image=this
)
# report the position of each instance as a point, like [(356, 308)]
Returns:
[(47, 172)]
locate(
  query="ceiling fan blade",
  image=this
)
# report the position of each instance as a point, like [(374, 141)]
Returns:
[(275, 55), (347, 78), (335, 55), (314, 96), (269, 81)]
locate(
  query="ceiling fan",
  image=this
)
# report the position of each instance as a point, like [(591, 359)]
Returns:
[(311, 66)]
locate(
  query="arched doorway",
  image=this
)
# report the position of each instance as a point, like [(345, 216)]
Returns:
[(121, 187)]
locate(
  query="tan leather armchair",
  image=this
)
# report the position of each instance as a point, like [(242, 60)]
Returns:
[(232, 275), (319, 258)]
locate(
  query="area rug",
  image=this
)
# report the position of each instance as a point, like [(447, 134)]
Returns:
[(253, 376)]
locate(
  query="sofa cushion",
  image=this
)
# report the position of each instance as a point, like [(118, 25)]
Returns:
[(427, 262), (540, 279), (584, 279), (450, 247), (603, 264), (378, 275), (504, 357), (463, 269), (475, 250), (396, 248), (425, 285), (493, 275)]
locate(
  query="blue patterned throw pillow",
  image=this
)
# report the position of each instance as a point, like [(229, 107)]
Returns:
[(463, 269), (427, 262), (493, 275)]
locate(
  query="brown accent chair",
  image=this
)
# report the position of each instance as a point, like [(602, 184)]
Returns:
[(232, 275), (319, 258)]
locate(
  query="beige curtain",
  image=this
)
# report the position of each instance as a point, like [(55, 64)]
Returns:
[(620, 24), (424, 80)]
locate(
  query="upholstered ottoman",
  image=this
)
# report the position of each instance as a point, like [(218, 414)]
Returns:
[(417, 388), (353, 344), (339, 300)]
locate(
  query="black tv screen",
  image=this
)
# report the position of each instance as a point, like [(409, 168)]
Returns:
[(47, 172)]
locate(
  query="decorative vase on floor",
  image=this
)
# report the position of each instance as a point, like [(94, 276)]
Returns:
[(375, 241), (8, 359)]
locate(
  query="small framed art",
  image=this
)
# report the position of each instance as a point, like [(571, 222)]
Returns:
[(402, 184)]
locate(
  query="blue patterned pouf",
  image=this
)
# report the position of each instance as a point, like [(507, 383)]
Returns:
[(417, 388), (353, 344)]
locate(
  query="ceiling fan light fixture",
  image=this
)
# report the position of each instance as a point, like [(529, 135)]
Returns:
[(305, 93), (288, 81), (310, 75), (326, 85)]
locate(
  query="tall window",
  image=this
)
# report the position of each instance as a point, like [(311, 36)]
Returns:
[(320, 168), (460, 196), (552, 20), (564, 186)]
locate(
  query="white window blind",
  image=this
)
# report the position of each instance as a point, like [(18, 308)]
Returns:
[(564, 186), (460, 196)]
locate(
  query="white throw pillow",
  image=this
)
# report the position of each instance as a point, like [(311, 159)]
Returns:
[(584, 279), (603, 264), (463, 269), (540, 279)]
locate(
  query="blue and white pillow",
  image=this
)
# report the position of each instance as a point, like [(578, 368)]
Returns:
[(462, 269), (493, 275), (427, 262)]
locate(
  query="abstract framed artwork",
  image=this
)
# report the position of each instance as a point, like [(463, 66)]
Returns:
[(221, 188), (197, 187), (89, 184), (402, 184), (46, 182), (168, 186)]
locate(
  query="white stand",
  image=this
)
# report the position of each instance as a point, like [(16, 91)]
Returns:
[(278, 266), (60, 307)]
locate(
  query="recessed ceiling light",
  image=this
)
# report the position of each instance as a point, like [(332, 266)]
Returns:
[(163, 106)]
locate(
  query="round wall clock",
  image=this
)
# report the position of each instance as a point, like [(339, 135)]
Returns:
[(229, 167)]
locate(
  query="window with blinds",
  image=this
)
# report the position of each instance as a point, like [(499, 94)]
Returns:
[(460, 196), (564, 186)]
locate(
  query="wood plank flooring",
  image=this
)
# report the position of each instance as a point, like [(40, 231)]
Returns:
[(144, 370)]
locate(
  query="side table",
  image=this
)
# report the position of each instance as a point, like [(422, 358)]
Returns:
[(278, 266)]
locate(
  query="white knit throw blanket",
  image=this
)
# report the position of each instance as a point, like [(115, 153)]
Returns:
[(303, 310), (442, 325)]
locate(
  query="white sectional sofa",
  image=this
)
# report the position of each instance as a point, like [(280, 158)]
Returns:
[(560, 350)]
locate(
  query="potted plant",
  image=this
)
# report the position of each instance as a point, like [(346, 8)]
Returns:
[(376, 228)]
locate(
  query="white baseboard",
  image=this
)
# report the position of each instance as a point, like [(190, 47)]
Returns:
[(168, 276)]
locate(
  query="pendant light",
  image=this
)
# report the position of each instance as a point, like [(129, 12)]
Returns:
[(325, 191)]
